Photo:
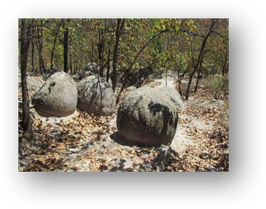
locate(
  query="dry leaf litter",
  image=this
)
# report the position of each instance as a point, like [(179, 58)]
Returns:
[(83, 142)]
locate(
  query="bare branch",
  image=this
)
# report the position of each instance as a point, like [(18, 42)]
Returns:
[(136, 57), (220, 34)]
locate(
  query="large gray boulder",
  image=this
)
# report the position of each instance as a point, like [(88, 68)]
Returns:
[(174, 95), (96, 96), (57, 96), (147, 116)]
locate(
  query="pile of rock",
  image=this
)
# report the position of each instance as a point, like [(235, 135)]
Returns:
[(60, 95), (146, 115), (90, 69)]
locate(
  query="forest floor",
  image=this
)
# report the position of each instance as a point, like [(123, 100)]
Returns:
[(83, 142)]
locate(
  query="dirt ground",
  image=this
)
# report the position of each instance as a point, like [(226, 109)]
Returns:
[(83, 142)]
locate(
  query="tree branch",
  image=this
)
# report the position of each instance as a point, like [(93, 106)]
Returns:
[(136, 57), (220, 34)]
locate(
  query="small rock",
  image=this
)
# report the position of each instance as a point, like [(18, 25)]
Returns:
[(211, 103)]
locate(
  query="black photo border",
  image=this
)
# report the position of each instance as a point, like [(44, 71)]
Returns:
[(245, 135)]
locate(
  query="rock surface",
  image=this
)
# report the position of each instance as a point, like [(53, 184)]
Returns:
[(96, 96), (211, 103), (147, 116), (174, 96), (138, 78), (131, 88), (91, 68), (57, 96)]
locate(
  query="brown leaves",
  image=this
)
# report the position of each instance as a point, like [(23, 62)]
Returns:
[(55, 142), (210, 154), (83, 143), (209, 127)]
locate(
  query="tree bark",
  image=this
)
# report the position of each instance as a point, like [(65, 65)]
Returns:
[(32, 55), (165, 76), (25, 38), (200, 57), (199, 74), (197, 82), (118, 34), (53, 49), (108, 65), (65, 48), (100, 50), (39, 45)]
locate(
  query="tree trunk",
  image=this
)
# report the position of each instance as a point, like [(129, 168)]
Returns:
[(53, 49), (127, 71), (108, 65), (199, 75), (26, 25), (41, 62), (197, 83), (225, 66), (39, 45), (165, 77), (25, 98), (118, 33), (179, 81), (65, 48), (32, 55), (200, 56), (189, 84), (100, 50), (70, 63)]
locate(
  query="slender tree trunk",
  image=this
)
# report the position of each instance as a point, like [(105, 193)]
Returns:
[(65, 48), (32, 55), (199, 75), (118, 33), (200, 56), (100, 50), (197, 82), (188, 86), (165, 77), (115, 55), (126, 73), (25, 38), (53, 49), (108, 65), (179, 81), (70, 63), (39, 45), (225, 67)]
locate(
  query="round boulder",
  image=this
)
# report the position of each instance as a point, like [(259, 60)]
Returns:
[(96, 96), (147, 116), (174, 95), (57, 96)]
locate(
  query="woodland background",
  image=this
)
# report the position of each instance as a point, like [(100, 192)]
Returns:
[(194, 50), (192, 47)]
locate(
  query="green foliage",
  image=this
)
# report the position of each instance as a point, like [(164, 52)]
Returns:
[(171, 49)]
